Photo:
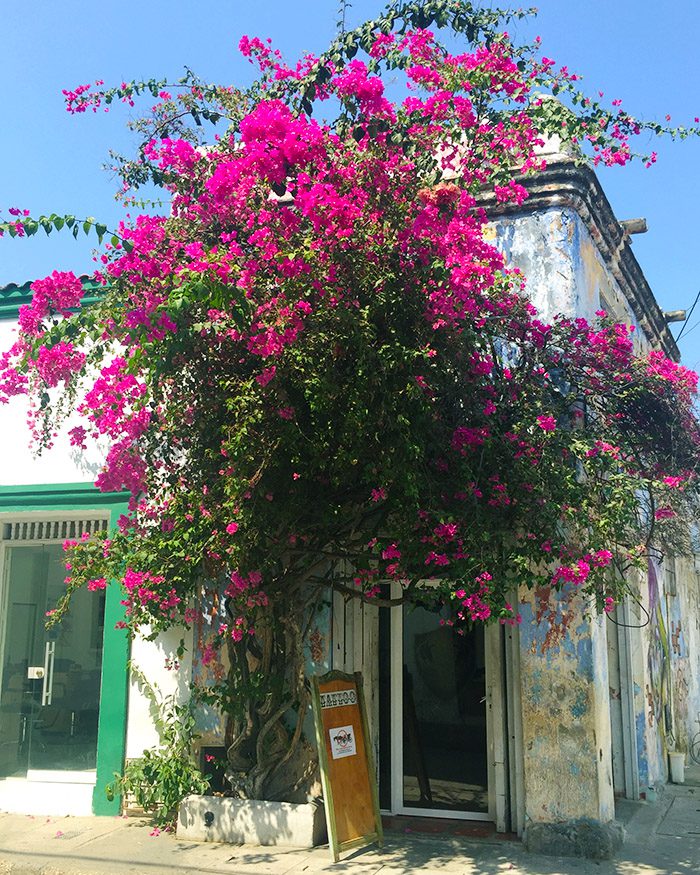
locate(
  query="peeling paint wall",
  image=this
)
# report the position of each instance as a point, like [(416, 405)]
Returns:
[(665, 616), (671, 638), (685, 652), (566, 273), (566, 722), (564, 269)]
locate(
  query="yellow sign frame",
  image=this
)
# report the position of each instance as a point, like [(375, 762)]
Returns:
[(351, 798)]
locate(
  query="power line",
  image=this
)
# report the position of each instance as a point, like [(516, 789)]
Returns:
[(690, 330), (690, 313)]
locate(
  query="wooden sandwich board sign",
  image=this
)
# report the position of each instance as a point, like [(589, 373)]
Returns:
[(351, 800)]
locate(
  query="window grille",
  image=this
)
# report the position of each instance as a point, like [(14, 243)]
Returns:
[(52, 529)]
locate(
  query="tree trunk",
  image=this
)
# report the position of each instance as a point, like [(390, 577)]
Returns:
[(267, 701)]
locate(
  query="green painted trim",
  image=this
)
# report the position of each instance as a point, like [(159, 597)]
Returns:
[(12, 296), (65, 496), (111, 728), (114, 700)]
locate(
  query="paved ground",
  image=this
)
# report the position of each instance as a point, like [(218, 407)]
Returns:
[(663, 838)]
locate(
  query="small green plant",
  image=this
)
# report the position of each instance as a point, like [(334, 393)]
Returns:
[(160, 779)]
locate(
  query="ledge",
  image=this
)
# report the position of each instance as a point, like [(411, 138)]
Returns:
[(251, 822)]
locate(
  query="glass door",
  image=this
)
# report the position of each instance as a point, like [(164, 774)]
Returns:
[(437, 743), (50, 679)]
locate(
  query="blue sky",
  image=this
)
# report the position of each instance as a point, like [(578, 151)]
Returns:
[(642, 52)]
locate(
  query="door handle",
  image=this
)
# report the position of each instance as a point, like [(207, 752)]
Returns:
[(47, 688)]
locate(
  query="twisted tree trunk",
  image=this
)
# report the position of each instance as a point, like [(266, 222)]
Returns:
[(268, 700)]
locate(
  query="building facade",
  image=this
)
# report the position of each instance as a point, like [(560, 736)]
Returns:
[(530, 727)]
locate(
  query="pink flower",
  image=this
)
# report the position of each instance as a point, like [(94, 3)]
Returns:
[(664, 513), (468, 438), (379, 494), (547, 423), (434, 558), (264, 378), (232, 528), (391, 552), (58, 363), (673, 482), (602, 558)]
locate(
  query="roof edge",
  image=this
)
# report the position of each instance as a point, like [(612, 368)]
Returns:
[(566, 184)]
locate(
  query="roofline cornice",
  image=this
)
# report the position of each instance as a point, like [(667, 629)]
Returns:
[(564, 184)]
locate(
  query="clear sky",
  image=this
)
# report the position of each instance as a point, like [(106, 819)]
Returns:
[(641, 51)]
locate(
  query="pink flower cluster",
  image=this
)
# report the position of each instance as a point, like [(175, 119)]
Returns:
[(58, 293), (473, 606), (58, 363)]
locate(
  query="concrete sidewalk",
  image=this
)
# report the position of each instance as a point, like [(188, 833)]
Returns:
[(663, 838)]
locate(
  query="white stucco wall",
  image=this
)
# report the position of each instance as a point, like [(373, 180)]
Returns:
[(19, 466), (155, 659)]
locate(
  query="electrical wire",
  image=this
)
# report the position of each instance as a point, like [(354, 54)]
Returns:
[(687, 318), (689, 330)]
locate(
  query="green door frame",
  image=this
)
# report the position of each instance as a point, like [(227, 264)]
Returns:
[(111, 730)]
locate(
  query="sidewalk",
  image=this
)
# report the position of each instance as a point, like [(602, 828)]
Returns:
[(663, 838)]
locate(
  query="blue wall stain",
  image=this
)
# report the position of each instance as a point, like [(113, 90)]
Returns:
[(580, 705), (531, 634), (568, 646), (584, 657), (575, 769), (535, 690), (642, 759)]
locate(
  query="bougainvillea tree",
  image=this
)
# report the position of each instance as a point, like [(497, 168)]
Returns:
[(313, 373)]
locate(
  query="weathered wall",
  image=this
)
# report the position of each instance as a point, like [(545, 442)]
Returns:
[(669, 644), (684, 634), (566, 701), (566, 722), (564, 677), (564, 269)]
